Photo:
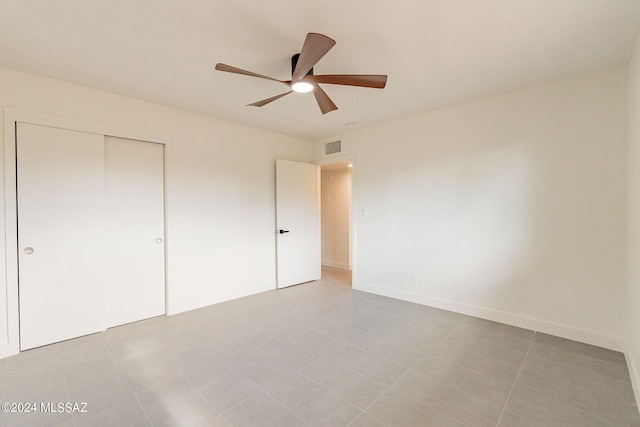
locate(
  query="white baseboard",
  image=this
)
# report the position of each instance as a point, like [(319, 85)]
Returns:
[(560, 330), (336, 264), (9, 349), (633, 373), (181, 307)]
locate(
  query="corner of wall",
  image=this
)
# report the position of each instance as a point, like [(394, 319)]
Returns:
[(633, 221), (633, 372)]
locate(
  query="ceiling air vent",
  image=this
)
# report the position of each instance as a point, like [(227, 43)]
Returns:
[(332, 147)]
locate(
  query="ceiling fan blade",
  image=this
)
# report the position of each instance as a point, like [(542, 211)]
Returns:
[(229, 69), (315, 47), (268, 100), (324, 102), (375, 81)]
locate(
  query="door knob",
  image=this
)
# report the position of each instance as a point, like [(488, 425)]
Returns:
[(28, 250), (158, 240), (283, 231)]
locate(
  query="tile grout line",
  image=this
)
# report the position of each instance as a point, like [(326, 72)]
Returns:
[(297, 371), (157, 348), (369, 415), (64, 377), (352, 370), (588, 412), (260, 389), (181, 375), (115, 363), (516, 380), (409, 369), (235, 370), (141, 407), (282, 404), (331, 391)]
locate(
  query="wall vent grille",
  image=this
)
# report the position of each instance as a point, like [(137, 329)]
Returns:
[(332, 147)]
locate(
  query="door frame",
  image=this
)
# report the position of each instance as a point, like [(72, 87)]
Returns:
[(352, 220), (9, 321)]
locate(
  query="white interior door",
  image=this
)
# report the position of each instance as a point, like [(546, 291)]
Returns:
[(61, 216), (297, 222), (135, 230)]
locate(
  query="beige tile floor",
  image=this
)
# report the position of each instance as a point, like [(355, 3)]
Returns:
[(321, 354)]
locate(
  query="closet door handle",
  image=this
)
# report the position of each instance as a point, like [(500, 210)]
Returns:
[(159, 240), (283, 231), (28, 250)]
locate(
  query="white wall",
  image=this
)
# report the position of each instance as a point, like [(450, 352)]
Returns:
[(336, 216), (511, 208), (220, 187), (633, 256)]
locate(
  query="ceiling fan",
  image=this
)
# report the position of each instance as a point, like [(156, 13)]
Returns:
[(302, 79)]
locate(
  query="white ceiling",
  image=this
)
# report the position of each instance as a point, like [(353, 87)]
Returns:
[(436, 53)]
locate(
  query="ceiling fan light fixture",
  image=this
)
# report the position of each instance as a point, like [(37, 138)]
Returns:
[(302, 87), (302, 78)]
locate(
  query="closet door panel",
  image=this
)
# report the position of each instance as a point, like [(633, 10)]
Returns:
[(135, 230), (61, 234)]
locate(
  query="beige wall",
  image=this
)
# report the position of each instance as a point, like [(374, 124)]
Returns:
[(511, 208), (633, 256), (336, 217), (220, 187)]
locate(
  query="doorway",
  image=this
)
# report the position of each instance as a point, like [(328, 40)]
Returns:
[(336, 195), (297, 223)]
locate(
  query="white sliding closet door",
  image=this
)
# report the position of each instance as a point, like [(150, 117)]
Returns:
[(135, 230), (61, 217)]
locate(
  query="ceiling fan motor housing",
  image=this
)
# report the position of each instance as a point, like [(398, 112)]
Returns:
[(294, 62)]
